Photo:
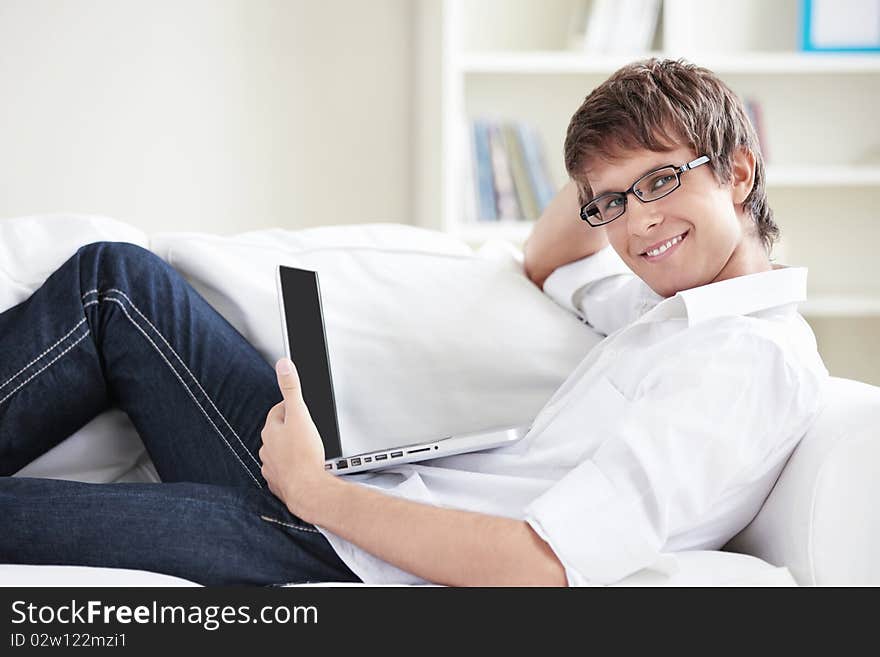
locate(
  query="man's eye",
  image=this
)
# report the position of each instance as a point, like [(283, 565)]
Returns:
[(663, 181), (613, 201)]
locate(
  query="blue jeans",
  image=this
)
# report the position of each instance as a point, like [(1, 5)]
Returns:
[(115, 325)]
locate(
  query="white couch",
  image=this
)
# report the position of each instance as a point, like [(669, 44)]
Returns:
[(815, 528)]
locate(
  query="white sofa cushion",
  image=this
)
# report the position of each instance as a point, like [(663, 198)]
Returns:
[(108, 448), (31, 248), (425, 337), (57, 575), (820, 520)]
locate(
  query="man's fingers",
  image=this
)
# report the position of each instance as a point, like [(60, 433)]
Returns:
[(276, 412), (288, 380)]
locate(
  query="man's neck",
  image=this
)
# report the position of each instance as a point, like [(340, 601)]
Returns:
[(749, 257)]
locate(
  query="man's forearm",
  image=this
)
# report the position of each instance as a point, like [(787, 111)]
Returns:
[(444, 546), (560, 237)]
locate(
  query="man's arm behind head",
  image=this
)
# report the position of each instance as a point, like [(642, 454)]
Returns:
[(560, 237)]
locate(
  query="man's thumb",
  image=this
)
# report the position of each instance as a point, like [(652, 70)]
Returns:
[(288, 381)]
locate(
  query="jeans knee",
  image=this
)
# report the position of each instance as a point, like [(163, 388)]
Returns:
[(121, 253)]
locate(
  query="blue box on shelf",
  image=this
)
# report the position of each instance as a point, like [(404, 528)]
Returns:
[(851, 26)]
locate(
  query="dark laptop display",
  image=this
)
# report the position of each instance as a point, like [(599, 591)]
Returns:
[(302, 320), (308, 350)]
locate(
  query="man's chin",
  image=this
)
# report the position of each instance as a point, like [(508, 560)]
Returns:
[(666, 289), (661, 284)]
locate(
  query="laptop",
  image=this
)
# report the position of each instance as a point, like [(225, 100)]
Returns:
[(305, 343)]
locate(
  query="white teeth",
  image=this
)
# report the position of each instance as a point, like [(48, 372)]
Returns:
[(663, 247)]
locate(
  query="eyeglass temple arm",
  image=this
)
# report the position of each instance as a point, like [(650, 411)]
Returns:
[(695, 163)]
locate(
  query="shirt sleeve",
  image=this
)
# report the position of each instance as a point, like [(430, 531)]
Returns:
[(703, 426), (600, 289)]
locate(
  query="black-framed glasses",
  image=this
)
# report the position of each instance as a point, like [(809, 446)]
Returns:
[(654, 185)]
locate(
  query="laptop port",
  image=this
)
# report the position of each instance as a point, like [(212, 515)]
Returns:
[(416, 451), (328, 466), (394, 455), (381, 457), (341, 465), (368, 459), (355, 462)]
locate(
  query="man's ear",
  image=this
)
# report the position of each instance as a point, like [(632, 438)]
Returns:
[(743, 171)]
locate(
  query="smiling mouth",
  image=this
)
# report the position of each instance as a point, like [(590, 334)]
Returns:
[(666, 248)]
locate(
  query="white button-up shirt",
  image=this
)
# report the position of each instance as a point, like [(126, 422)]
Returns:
[(668, 436)]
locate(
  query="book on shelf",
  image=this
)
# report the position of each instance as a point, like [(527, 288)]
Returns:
[(616, 26), (756, 116), (485, 183), (536, 164), (471, 182), (528, 204), (505, 191), (507, 176)]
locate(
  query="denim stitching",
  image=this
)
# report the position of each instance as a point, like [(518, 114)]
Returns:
[(45, 367), (288, 524), (186, 387), (60, 340), (210, 401)]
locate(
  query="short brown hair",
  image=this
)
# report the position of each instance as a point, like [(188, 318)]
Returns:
[(660, 104)]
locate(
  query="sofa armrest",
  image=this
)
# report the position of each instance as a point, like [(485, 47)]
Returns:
[(820, 520)]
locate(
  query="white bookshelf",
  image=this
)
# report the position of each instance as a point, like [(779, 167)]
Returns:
[(510, 59), (555, 62), (841, 305), (831, 176)]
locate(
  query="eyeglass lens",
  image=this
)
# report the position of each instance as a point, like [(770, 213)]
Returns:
[(653, 186)]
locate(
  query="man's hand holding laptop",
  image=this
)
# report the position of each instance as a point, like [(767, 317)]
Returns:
[(292, 453)]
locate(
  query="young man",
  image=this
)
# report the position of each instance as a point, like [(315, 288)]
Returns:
[(668, 435), (671, 433)]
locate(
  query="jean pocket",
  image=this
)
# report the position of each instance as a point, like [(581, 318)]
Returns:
[(290, 522), (270, 509)]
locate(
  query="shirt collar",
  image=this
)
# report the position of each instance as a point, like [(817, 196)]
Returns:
[(741, 295)]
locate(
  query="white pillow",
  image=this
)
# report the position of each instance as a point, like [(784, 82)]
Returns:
[(425, 337), (107, 448), (31, 248)]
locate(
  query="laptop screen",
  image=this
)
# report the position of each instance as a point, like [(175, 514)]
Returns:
[(307, 345)]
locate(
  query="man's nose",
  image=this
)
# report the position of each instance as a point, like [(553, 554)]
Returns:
[(641, 218)]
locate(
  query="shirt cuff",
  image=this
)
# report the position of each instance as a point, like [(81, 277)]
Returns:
[(597, 534), (566, 281)]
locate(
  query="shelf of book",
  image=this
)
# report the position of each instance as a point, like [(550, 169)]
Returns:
[(841, 306), (824, 176), (562, 62)]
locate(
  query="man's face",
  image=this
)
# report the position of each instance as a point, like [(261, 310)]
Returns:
[(713, 228)]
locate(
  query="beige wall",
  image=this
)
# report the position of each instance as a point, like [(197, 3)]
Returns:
[(217, 115)]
